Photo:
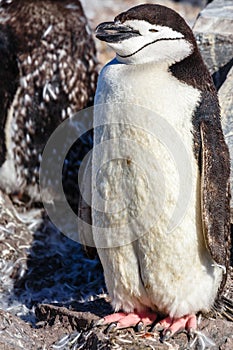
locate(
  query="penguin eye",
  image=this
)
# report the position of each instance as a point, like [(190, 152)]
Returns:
[(153, 30)]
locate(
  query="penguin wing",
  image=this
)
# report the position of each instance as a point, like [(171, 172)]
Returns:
[(215, 183), (84, 210)]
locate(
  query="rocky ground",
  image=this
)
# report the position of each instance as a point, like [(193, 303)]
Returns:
[(51, 293)]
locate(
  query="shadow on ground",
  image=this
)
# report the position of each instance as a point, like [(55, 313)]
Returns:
[(58, 271)]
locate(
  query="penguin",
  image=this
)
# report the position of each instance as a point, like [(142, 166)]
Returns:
[(156, 108), (49, 72)]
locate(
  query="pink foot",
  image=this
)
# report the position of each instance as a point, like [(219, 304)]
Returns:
[(170, 326), (124, 320)]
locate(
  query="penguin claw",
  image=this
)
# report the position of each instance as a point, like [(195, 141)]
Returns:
[(140, 327), (124, 320), (171, 326), (113, 318), (166, 336), (111, 327)]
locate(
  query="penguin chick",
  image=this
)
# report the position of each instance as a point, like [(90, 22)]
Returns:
[(48, 72), (178, 273)]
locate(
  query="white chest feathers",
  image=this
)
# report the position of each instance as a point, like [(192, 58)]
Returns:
[(148, 85)]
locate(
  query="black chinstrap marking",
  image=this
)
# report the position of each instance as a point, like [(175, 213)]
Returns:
[(153, 42)]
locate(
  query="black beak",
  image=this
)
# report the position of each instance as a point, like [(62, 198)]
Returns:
[(113, 32)]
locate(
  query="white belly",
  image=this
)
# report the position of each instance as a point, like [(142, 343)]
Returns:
[(147, 193)]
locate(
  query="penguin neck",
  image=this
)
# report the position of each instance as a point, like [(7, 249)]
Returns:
[(142, 66), (199, 77)]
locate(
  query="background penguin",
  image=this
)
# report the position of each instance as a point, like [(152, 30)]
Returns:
[(158, 67), (48, 72)]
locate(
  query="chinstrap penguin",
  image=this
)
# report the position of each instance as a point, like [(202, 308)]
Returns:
[(158, 67)]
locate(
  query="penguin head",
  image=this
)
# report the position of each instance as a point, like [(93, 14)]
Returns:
[(148, 33)]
